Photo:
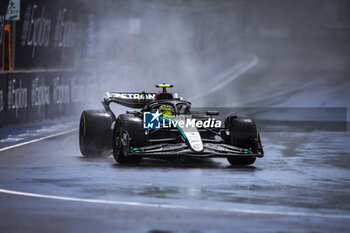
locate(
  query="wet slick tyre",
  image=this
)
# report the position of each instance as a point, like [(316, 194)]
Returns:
[(243, 134), (128, 132), (95, 134)]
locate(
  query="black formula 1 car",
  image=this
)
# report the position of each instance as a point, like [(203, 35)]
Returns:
[(164, 126)]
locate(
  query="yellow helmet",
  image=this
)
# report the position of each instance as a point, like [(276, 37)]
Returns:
[(166, 110)]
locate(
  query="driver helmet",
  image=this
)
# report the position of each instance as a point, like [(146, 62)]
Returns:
[(167, 110)]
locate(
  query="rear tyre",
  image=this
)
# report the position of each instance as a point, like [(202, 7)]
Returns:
[(95, 133), (243, 134), (128, 132)]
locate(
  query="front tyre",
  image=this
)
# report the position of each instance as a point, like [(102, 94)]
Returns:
[(128, 132), (243, 134)]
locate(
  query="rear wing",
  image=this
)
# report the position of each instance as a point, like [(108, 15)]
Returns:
[(128, 99)]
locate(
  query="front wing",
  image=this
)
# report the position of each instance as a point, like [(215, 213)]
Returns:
[(210, 150)]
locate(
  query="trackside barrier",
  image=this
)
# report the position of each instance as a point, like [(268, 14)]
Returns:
[(31, 96)]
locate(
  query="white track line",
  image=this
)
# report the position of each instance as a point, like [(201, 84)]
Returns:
[(140, 204), (37, 140)]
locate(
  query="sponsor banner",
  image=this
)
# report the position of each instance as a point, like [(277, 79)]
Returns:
[(27, 97), (68, 93), (47, 34), (60, 94), (17, 97), (39, 95)]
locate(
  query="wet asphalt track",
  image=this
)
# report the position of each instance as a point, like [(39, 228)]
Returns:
[(302, 185)]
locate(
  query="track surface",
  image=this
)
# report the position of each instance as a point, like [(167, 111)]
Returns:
[(302, 184)]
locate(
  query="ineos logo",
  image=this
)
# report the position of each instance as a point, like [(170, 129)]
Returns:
[(40, 93), (17, 97)]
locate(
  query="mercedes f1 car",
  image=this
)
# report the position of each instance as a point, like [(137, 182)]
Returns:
[(164, 126)]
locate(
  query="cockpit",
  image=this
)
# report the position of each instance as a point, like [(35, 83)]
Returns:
[(171, 108)]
